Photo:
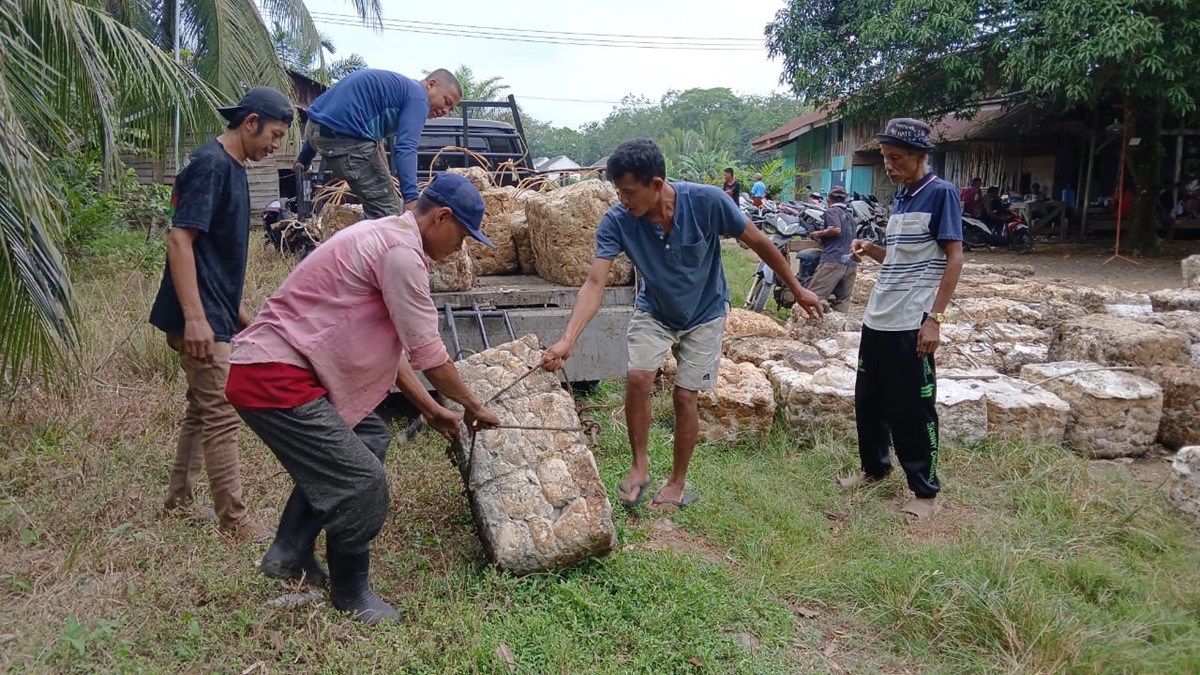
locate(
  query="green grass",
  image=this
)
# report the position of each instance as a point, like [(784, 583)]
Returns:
[(1041, 562)]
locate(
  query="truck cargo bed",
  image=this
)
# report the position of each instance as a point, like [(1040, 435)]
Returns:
[(534, 305)]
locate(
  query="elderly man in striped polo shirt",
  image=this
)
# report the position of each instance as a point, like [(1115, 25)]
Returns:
[(896, 389)]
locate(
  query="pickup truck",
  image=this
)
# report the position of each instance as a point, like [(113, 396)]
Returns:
[(499, 308)]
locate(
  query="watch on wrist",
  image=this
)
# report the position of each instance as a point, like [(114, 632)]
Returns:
[(938, 318)]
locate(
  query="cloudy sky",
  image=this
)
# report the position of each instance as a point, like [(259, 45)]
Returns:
[(569, 84)]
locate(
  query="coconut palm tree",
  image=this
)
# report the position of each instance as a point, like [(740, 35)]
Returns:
[(310, 61), (83, 72)]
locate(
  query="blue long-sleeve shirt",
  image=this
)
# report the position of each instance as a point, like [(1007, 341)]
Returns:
[(373, 104)]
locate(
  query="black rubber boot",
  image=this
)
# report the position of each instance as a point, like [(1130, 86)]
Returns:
[(350, 591), (291, 554)]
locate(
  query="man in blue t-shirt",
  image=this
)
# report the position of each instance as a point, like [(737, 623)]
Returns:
[(758, 191), (349, 123), (672, 232), (896, 390), (199, 302)]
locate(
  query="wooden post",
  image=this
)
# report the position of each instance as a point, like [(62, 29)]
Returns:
[(1083, 148), (1178, 172), (1087, 187)]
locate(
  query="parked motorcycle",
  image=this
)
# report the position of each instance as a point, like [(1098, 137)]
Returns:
[(1013, 234), (870, 217), (781, 229), (280, 216), (1189, 201)]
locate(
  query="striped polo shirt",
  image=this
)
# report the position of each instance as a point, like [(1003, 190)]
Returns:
[(925, 216)]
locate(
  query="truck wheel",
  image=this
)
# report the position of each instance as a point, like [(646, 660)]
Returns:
[(760, 292)]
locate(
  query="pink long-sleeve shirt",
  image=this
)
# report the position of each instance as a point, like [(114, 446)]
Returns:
[(349, 312)]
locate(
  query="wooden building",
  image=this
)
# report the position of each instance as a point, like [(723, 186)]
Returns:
[(269, 179)]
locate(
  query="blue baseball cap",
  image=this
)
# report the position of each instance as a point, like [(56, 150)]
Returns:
[(907, 132), (463, 199)]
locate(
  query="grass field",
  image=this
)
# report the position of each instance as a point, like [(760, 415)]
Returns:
[(1041, 562)]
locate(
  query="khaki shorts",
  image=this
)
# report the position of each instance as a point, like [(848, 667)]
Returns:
[(697, 350)]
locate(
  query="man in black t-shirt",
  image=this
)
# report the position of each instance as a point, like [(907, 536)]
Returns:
[(732, 187), (199, 303)]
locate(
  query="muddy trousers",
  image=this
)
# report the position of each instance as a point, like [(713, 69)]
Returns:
[(337, 469), (894, 400)]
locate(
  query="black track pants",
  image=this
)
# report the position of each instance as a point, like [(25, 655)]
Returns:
[(894, 398)]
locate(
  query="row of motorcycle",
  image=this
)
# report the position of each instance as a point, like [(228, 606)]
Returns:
[(789, 221)]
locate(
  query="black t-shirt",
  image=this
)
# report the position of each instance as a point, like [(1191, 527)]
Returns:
[(211, 195), (736, 188)]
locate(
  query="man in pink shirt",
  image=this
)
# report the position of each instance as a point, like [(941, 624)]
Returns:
[(353, 318)]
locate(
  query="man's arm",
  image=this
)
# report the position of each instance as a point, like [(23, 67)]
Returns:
[(197, 333), (832, 225), (404, 157), (442, 420), (587, 303), (929, 337), (754, 239), (445, 379), (862, 247), (307, 153)]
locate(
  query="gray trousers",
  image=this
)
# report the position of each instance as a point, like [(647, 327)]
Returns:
[(360, 163), (835, 278), (338, 469)]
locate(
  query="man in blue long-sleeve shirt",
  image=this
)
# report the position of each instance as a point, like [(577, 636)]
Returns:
[(348, 124)]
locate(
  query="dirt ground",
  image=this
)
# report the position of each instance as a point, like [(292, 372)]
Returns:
[(1085, 264)]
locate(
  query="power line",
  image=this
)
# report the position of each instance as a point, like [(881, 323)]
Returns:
[(569, 100), (517, 37), (553, 33)]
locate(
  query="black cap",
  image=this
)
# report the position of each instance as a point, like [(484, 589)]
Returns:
[(265, 101), (907, 132)]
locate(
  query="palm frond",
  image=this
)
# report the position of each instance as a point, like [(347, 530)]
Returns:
[(70, 75), (232, 46)]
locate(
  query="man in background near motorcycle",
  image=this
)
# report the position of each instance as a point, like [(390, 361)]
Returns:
[(972, 199), (199, 303), (733, 188), (672, 232), (996, 211), (896, 390), (349, 123), (759, 190), (836, 273)]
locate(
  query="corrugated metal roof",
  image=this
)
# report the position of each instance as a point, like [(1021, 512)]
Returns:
[(793, 129)]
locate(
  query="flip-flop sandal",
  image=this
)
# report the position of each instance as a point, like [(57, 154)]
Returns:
[(624, 491), (920, 510), (861, 480), (685, 500)]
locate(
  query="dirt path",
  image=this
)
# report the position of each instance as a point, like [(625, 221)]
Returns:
[(1084, 264)]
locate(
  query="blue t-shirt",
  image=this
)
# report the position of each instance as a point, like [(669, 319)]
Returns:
[(374, 104), (211, 195), (759, 189), (683, 283)]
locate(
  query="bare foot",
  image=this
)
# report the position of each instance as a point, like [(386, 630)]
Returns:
[(672, 496)]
